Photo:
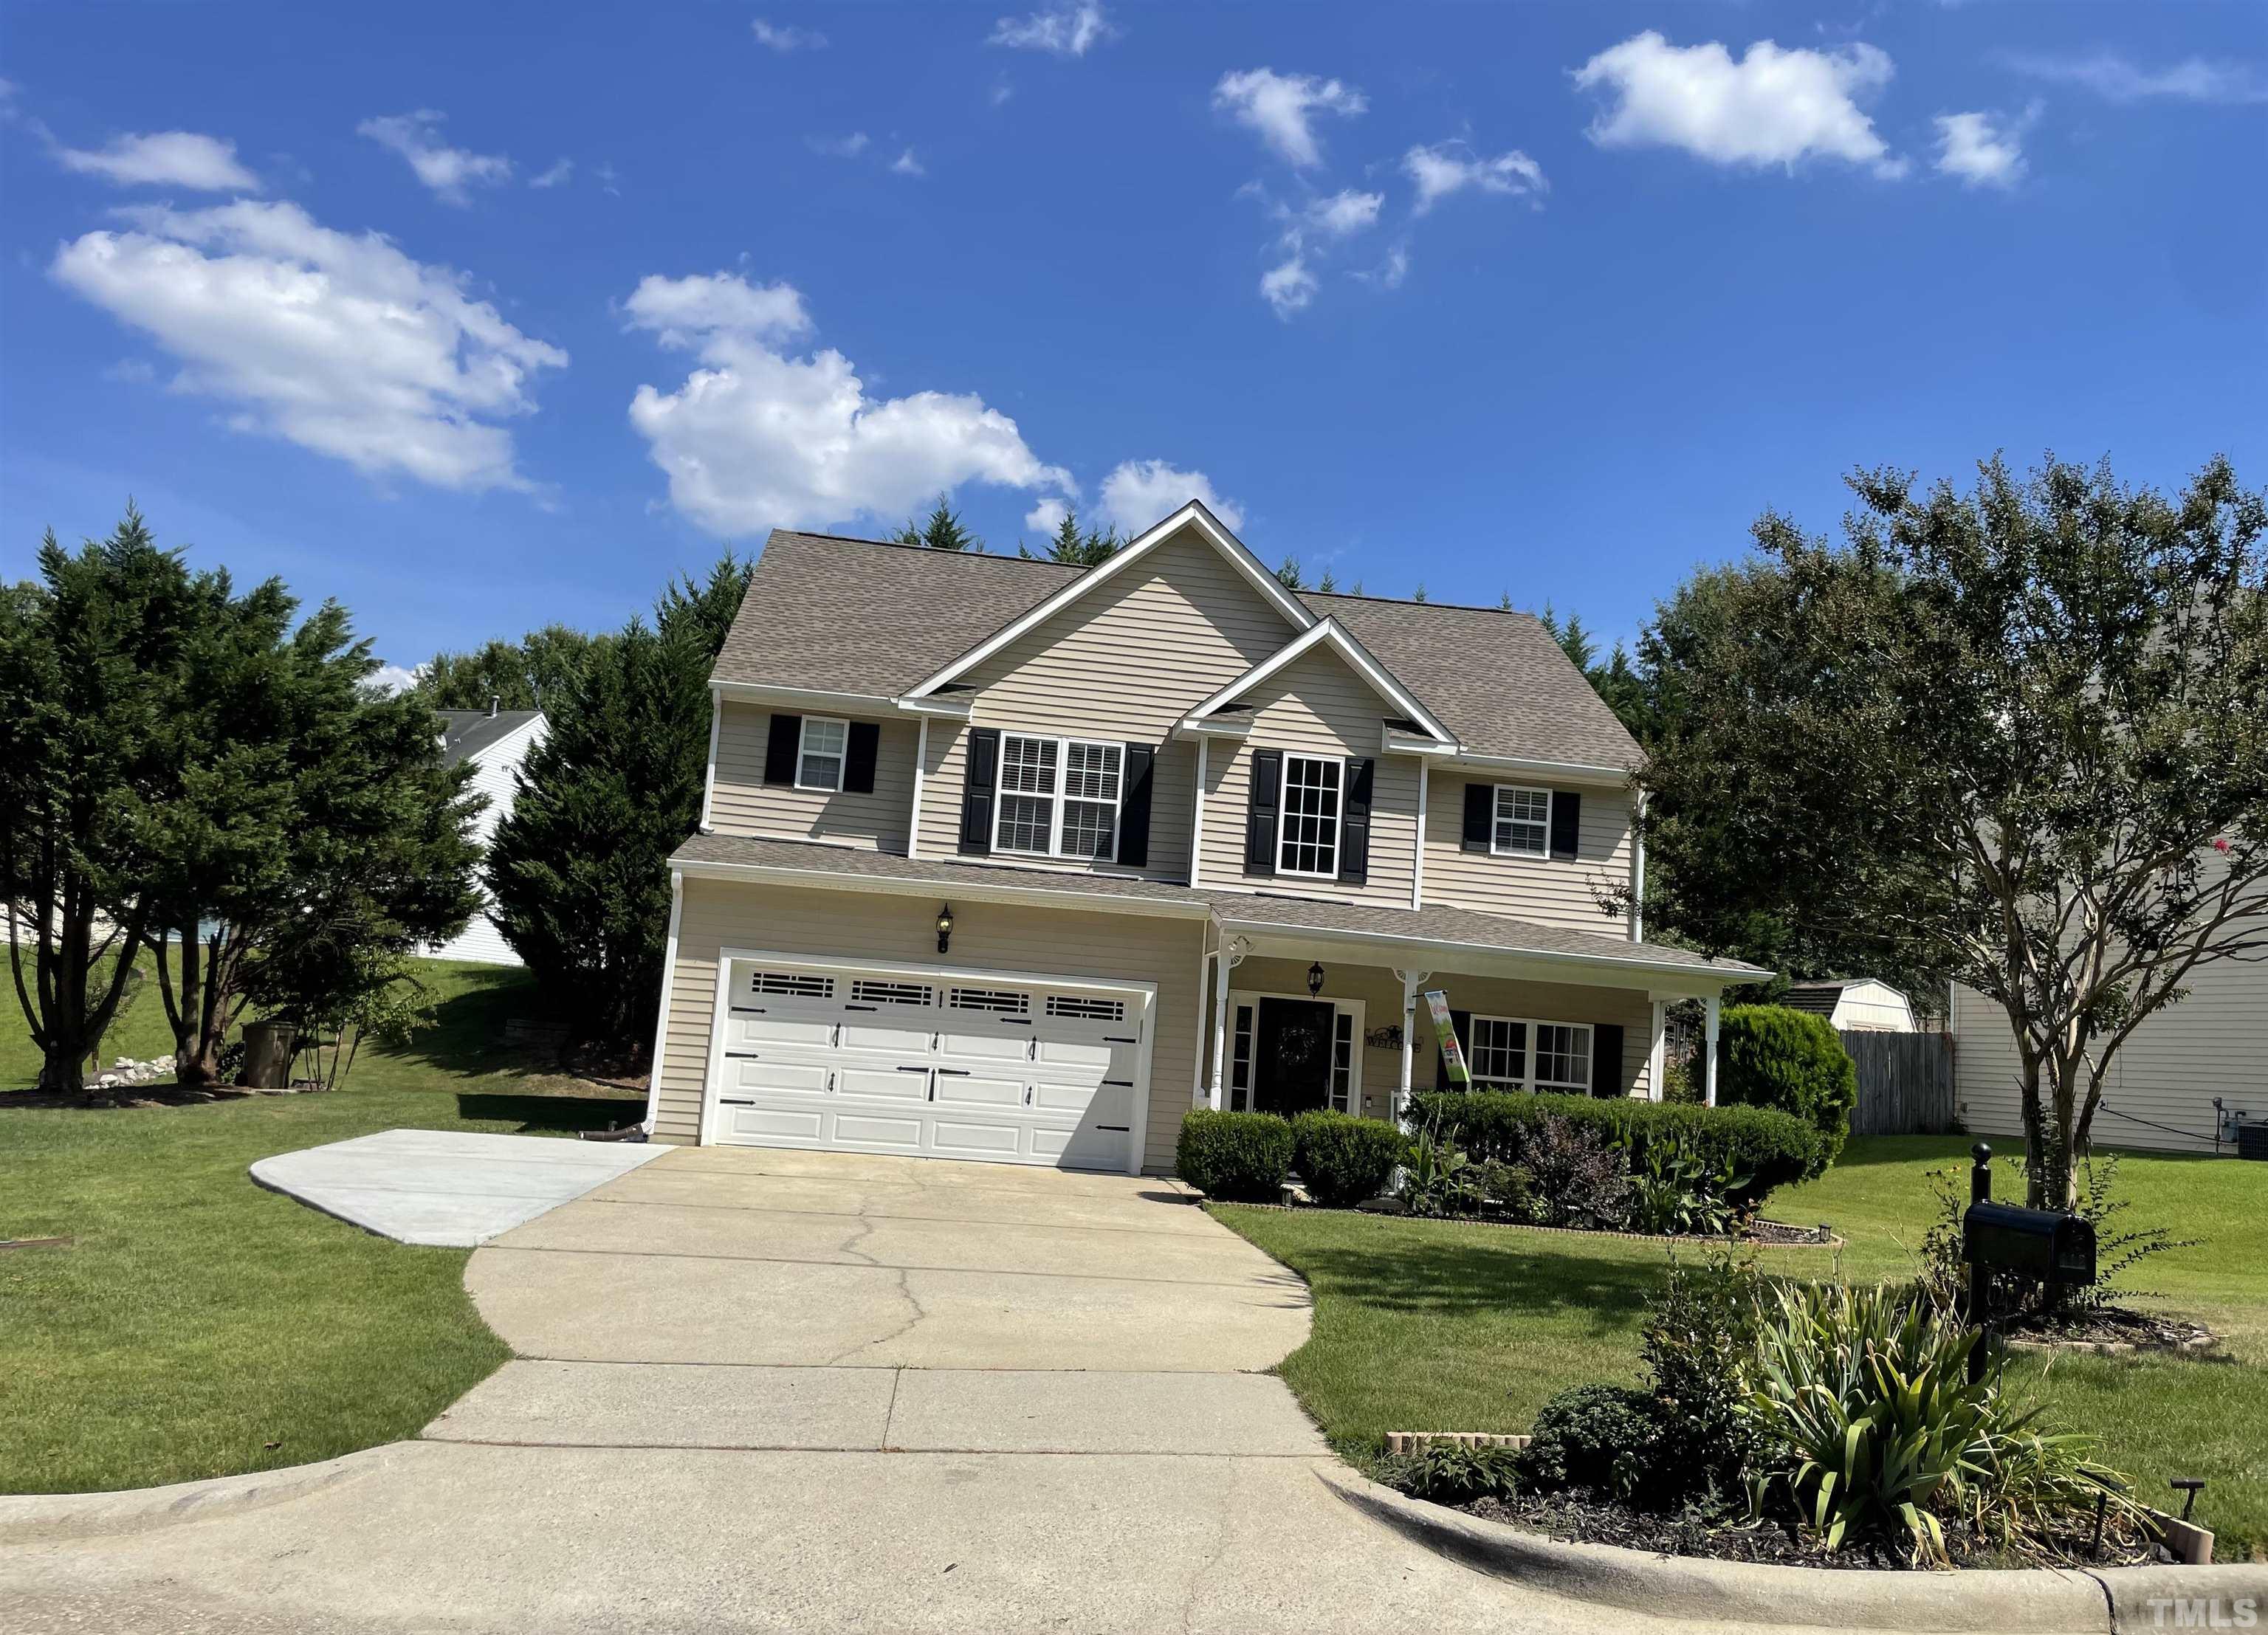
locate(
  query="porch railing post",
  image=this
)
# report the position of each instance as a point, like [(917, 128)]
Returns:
[(1709, 1007), (1657, 1060)]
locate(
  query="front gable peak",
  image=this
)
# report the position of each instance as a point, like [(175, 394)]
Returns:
[(1330, 633)]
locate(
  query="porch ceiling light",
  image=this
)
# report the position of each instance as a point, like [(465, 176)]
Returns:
[(944, 926), (1315, 978)]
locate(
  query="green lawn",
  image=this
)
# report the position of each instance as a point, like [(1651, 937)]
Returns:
[(199, 1325), (1426, 1325)]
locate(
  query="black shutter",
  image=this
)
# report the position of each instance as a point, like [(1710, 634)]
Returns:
[(1606, 1061), (1354, 825), (780, 752), (858, 765), (1261, 814), (1134, 807), (976, 790), (1480, 817), (1566, 822), (1461, 1023)]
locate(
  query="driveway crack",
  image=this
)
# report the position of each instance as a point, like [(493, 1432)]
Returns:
[(906, 1293)]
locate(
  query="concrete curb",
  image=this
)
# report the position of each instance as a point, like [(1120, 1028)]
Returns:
[(49, 1517), (2040, 1601)]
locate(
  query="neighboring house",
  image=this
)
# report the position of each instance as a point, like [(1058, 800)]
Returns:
[(1006, 859), (1854, 1005), (2211, 1047), (496, 742)]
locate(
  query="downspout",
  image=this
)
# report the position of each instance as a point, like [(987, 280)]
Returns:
[(668, 986)]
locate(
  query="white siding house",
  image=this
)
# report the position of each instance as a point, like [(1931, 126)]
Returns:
[(496, 742)]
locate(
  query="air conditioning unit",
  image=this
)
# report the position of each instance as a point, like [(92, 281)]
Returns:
[(2252, 1138)]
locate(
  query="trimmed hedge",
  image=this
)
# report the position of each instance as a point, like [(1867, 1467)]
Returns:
[(1770, 1056), (1343, 1158), (1770, 1148), (1236, 1157)]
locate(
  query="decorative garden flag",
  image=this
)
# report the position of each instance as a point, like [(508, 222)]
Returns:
[(1445, 1031)]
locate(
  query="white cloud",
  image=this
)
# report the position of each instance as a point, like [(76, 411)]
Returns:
[(391, 678), (1345, 213), (131, 372), (336, 341), (1071, 29), (1979, 152), (165, 158), (553, 177), (906, 165), (1289, 286), (1390, 272), (755, 438), (847, 147), (1770, 107), (1281, 107), (1447, 168), (1141, 492), (452, 173), (2116, 79), (783, 38), (1046, 517)]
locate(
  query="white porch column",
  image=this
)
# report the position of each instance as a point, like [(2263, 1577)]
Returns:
[(1657, 1062), (1710, 1007), (1410, 981), (1227, 959)]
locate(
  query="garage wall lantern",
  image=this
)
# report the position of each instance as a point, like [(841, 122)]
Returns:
[(1315, 978), (944, 927)]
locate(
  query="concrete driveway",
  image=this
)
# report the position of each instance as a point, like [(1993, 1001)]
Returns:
[(768, 1391)]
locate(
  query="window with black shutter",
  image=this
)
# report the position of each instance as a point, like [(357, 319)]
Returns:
[(1260, 815), (1354, 837), (866, 749), (1134, 807), (781, 749), (976, 790)]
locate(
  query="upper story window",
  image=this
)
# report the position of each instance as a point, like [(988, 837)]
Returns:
[(1511, 1054), (1308, 841), (1523, 822), (819, 758), (1059, 797)]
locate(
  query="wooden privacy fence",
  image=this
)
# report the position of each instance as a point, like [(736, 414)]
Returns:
[(1905, 1083)]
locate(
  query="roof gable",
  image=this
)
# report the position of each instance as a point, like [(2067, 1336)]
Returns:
[(1329, 634)]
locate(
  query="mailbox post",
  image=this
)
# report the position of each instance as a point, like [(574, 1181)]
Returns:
[(2043, 1245)]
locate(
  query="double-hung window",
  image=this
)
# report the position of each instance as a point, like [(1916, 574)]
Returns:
[(1510, 1054), (1308, 841), (1523, 822), (1059, 797), (819, 755)]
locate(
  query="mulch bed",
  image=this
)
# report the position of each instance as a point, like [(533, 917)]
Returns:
[(142, 1095), (2108, 1329), (1575, 1519), (1769, 1234)]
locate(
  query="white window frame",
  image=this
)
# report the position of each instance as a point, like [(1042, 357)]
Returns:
[(1497, 819), (1528, 1081), (1339, 815), (1058, 799), (842, 755)]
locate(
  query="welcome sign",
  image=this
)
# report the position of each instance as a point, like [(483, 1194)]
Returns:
[(1445, 1033)]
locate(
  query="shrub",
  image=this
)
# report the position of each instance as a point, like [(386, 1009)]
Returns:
[(1450, 1473), (1345, 1159), (1599, 1438), (1239, 1157), (1679, 1193), (1771, 1148), (1700, 1331), (1581, 1177), (1770, 1056)]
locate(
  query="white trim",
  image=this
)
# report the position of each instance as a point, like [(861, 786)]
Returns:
[(1703, 973), (709, 777), (1418, 861), (661, 1020), (921, 764), (1531, 1083), (840, 757), (1561, 771), (1712, 1009), (1189, 726), (1193, 515), (1146, 992), (896, 884), (1196, 819), (945, 709), (1657, 1057), (1205, 992), (1059, 798), (1496, 816), (1339, 815), (1411, 981), (1359, 1009), (800, 698), (1356, 656), (1638, 870), (1393, 742)]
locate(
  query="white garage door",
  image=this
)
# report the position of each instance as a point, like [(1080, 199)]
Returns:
[(928, 1064)]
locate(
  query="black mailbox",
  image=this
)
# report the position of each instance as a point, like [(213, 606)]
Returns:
[(2036, 1243)]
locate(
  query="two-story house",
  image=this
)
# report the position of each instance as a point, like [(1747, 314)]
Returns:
[(1011, 860)]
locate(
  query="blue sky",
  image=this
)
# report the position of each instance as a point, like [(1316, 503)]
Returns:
[(480, 317)]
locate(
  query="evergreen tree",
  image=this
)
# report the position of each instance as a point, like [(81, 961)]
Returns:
[(1288, 574), (512, 676), (943, 530), (1329, 584), (578, 871), (1419, 594), (1083, 548)]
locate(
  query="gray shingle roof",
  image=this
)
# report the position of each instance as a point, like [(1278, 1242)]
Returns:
[(466, 733), (835, 615), (1459, 927)]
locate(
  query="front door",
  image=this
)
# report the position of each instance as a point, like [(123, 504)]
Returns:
[(1293, 1066)]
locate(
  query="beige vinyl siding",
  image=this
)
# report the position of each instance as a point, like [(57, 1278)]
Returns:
[(1380, 992), (1315, 705), (986, 936), (1544, 891), (1124, 663), (2213, 1043), (740, 804)]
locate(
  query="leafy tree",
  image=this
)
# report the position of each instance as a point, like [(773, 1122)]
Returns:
[(578, 871), (943, 530), (2015, 734), (92, 677), (1287, 575), (524, 674)]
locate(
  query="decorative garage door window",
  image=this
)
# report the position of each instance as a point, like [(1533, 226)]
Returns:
[(866, 991), (1072, 1007), (998, 1001), (791, 985)]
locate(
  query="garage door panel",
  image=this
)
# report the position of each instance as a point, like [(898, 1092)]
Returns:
[(882, 1081), (972, 1138), (870, 1129), (772, 1123), (892, 1037), (750, 1031), (771, 1074), (974, 1089), (959, 1040)]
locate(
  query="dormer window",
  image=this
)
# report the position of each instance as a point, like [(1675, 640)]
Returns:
[(1059, 797), (819, 755), (1523, 822), (1309, 844)]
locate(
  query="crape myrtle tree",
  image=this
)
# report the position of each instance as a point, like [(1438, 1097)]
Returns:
[(2017, 734), (578, 871)]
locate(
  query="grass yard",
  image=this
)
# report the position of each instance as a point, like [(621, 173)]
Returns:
[(1430, 1325), (201, 1326)]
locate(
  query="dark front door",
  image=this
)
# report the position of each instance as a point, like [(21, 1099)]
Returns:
[(1293, 1070)]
